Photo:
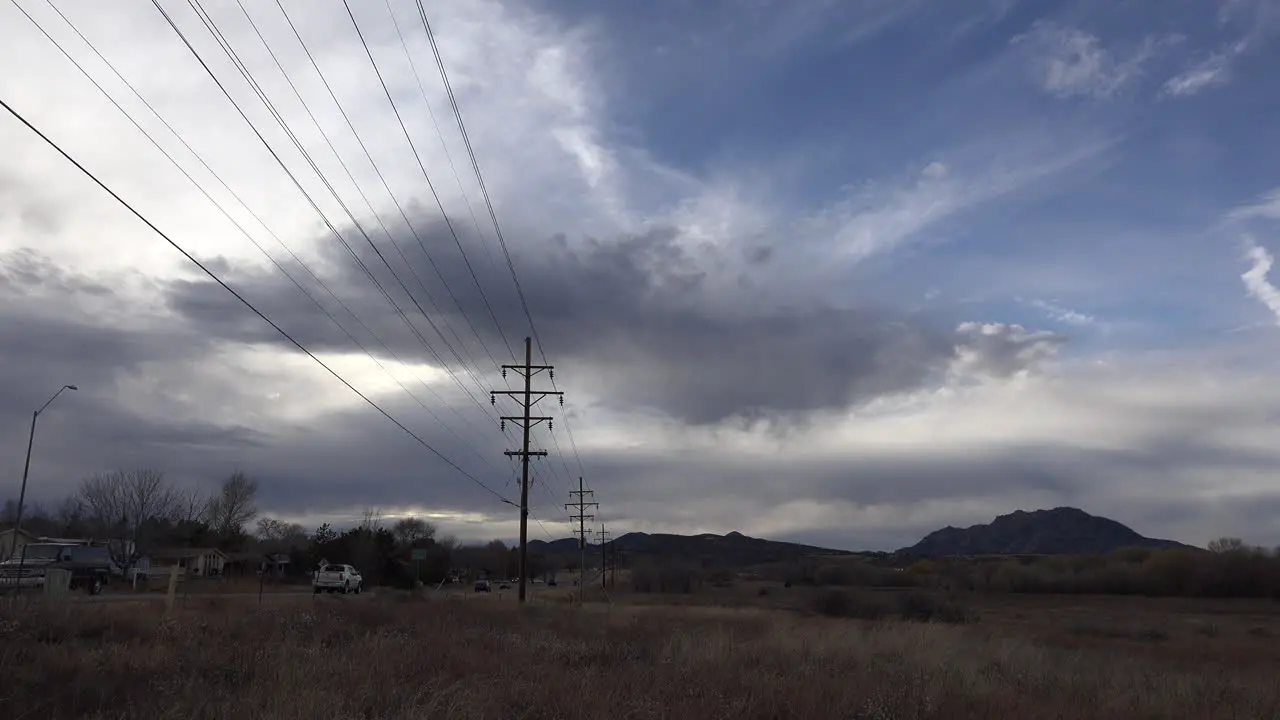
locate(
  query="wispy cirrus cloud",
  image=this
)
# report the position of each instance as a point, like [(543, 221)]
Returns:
[(1256, 281), (1064, 315), (1266, 207), (879, 218), (1210, 72), (1069, 62)]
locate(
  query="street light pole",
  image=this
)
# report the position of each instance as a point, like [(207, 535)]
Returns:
[(22, 493)]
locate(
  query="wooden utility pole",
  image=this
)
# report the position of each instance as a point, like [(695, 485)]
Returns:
[(604, 553), (581, 504), (613, 565), (527, 398)]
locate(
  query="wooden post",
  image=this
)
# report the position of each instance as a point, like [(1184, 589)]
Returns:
[(173, 589)]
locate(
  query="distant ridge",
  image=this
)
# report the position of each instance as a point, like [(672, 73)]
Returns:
[(1060, 531), (708, 549)]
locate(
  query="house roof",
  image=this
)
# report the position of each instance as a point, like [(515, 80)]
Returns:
[(257, 556), (179, 553)]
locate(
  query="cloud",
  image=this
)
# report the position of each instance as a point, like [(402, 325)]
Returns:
[(1064, 315), (1255, 279), (731, 332), (1213, 70), (649, 324), (1173, 447), (1210, 72), (1001, 350), (1266, 207), (1070, 62), (878, 218)]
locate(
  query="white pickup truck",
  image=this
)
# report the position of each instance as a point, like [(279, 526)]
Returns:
[(337, 578)]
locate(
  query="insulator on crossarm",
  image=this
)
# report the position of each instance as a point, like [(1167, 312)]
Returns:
[(551, 373), (503, 425), (493, 400), (504, 372), (561, 401), (548, 424)]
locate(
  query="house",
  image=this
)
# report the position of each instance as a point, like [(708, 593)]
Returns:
[(252, 563), (276, 563), (199, 562), (8, 542)]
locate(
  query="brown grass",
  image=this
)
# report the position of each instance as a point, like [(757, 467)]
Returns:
[(402, 657)]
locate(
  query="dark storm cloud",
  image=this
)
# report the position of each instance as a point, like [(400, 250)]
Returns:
[(640, 321), (56, 329), (344, 461)]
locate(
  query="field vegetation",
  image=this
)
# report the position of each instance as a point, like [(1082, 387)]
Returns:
[(402, 655)]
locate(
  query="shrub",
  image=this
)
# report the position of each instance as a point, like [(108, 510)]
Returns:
[(925, 607), (845, 604)]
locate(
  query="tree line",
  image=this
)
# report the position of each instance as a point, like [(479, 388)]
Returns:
[(137, 512), (1229, 568)]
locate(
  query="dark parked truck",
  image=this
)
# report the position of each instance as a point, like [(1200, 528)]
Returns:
[(90, 566)]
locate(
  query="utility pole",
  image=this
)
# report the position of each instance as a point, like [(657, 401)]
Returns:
[(613, 566), (604, 553), (581, 504), (527, 398)]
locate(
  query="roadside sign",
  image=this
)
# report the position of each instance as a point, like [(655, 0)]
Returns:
[(418, 554)]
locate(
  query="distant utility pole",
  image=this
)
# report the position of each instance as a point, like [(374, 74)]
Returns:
[(613, 565), (581, 504), (527, 398), (604, 553)]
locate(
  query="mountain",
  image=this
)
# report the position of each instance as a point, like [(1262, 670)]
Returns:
[(730, 550), (1060, 531)]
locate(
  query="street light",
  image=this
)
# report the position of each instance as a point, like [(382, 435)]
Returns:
[(26, 468)]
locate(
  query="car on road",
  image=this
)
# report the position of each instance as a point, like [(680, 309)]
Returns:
[(482, 586), (90, 566), (504, 586), (333, 577)]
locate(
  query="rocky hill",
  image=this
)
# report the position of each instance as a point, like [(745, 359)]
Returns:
[(1060, 531)]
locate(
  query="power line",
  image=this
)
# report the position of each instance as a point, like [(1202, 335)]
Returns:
[(443, 145), (426, 175), (350, 176), (213, 276), (378, 171), (493, 216), (247, 208), (247, 74), (329, 224)]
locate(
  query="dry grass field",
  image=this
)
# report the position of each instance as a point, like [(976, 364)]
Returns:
[(398, 656)]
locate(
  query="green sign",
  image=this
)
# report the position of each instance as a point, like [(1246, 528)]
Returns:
[(418, 554)]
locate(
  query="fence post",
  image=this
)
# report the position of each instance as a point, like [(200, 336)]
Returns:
[(173, 589), (57, 583)]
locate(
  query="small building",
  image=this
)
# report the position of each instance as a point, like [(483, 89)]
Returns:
[(14, 539), (196, 562), (276, 563), (253, 563)]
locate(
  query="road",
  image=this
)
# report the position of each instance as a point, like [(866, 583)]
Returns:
[(159, 597)]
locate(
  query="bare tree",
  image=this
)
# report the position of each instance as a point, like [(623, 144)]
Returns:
[(233, 507), (123, 505), (71, 517), (371, 520), (190, 506), (276, 534), (410, 530), (1226, 544)]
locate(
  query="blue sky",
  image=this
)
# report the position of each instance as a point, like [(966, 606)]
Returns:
[(833, 95), (847, 271)]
